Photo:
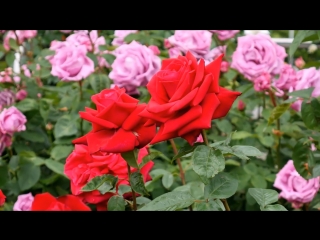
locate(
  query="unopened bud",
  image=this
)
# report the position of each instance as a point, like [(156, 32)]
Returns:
[(312, 48)]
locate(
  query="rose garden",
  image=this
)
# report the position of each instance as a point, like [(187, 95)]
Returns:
[(159, 120)]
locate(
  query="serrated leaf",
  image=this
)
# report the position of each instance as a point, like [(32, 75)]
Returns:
[(167, 180), (122, 189), (278, 111), (247, 150), (137, 184), (65, 127), (263, 197), (186, 149), (207, 162), (310, 114), (275, 207), (27, 104), (55, 166), (297, 41), (223, 185), (131, 158), (169, 202), (211, 205), (304, 93), (149, 158), (116, 203), (99, 82), (102, 183)]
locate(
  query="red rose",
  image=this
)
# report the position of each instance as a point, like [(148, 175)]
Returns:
[(47, 202), (81, 167), (185, 97), (117, 127), (2, 198)]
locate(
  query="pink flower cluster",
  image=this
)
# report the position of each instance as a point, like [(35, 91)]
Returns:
[(11, 121), (294, 188), (134, 66), (7, 76), (120, 36), (225, 34), (198, 42), (21, 34)]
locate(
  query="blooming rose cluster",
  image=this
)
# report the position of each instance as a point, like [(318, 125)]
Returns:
[(294, 188), (11, 121), (134, 66), (198, 42), (22, 35), (70, 61)]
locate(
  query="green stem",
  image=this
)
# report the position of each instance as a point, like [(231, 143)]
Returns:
[(205, 138), (133, 192)]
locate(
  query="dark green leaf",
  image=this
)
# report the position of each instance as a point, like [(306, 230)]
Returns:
[(275, 207), (258, 181), (122, 189), (223, 185), (142, 200), (116, 203), (13, 44), (263, 197), (300, 157), (211, 205), (99, 82), (65, 127), (137, 184), (224, 125), (28, 175), (10, 58), (185, 150), (27, 104), (316, 171), (297, 41), (45, 73), (169, 202), (55, 166), (109, 58), (61, 152), (4, 176), (149, 157), (310, 113), (131, 158), (278, 111), (93, 57), (247, 150), (207, 162), (304, 93), (46, 52), (102, 183), (250, 168)]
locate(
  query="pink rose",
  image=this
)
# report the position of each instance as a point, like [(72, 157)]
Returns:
[(5, 141), (24, 202), (306, 78), (262, 83), (12, 120), (167, 44), (26, 71), (120, 36), (134, 66), (66, 31), (28, 33), (70, 62), (214, 53), (7, 98), (225, 34), (21, 94), (82, 38), (241, 105), (224, 66), (154, 49), (257, 54), (174, 52), (198, 42), (299, 62), (294, 188), (22, 35), (287, 79)]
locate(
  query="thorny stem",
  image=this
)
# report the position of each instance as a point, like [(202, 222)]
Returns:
[(274, 103), (175, 151), (133, 192), (205, 138)]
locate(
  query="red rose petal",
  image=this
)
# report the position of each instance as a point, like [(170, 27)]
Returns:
[(42, 202), (133, 119), (199, 74), (203, 90), (192, 136), (185, 101), (145, 135), (121, 141), (74, 203), (214, 69), (93, 119), (162, 137), (97, 139)]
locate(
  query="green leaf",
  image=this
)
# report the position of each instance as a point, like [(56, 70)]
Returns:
[(65, 127), (316, 171), (207, 162), (4, 176), (271, 178), (310, 113), (241, 135), (224, 126), (263, 197), (186, 149), (1, 54), (131, 158), (99, 82), (149, 157), (258, 181), (137, 184), (169, 202), (116, 203), (298, 39), (223, 185), (132, 36), (13, 44), (250, 168), (275, 207), (232, 162), (61, 152), (304, 93), (109, 58), (28, 175), (10, 58), (122, 189), (142, 200), (93, 57), (278, 111), (103, 184), (167, 180), (300, 156), (247, 150), (211, 205), (27, 104), (46, 52), (55, 166), (45, 73)]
